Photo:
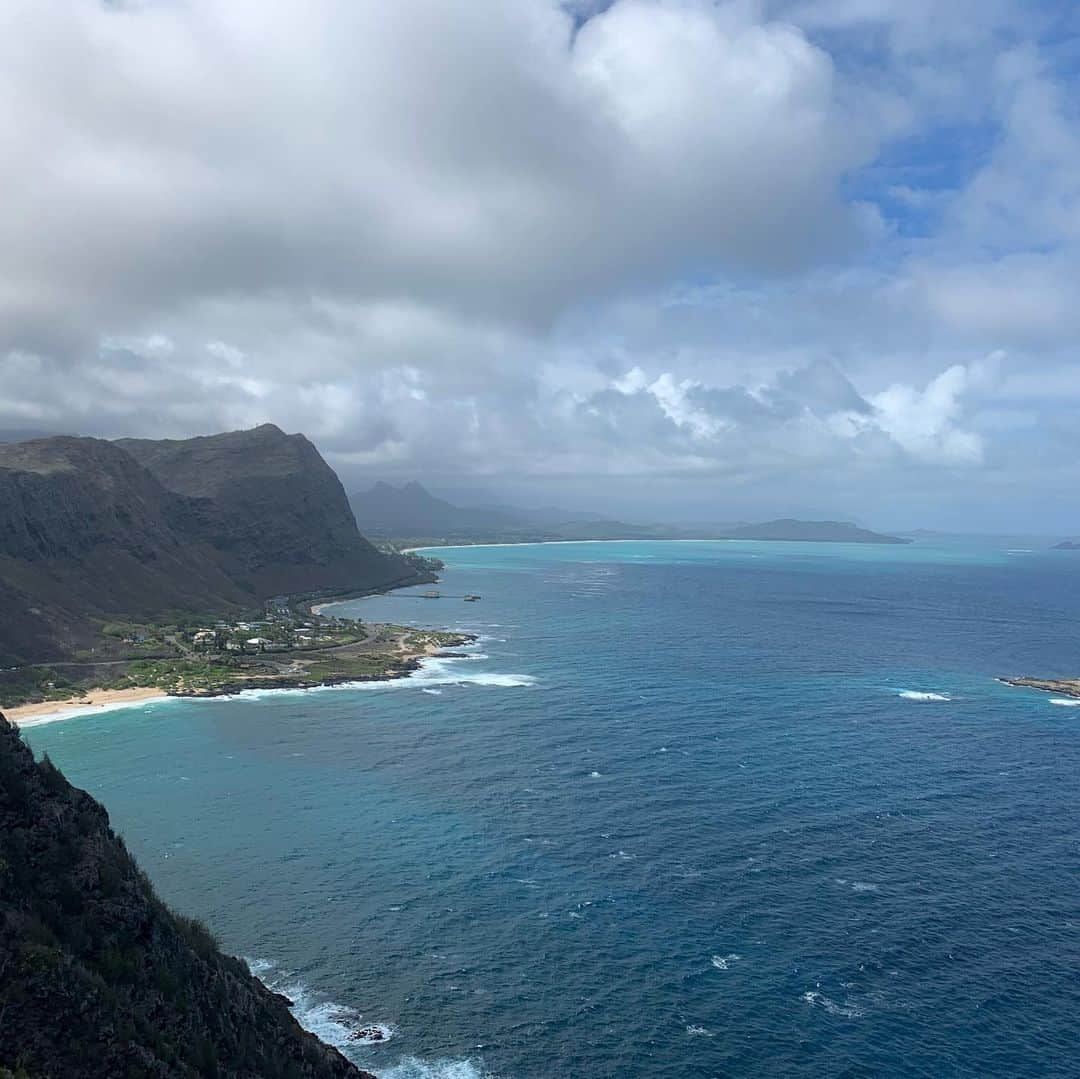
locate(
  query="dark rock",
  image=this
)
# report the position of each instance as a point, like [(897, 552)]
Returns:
[(98, 978)]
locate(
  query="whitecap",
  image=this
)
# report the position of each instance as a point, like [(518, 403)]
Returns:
[(699, 1032), (1066, 702), (848, 1011), (723, 962), (919, 695), (594, 775), (433, 692)]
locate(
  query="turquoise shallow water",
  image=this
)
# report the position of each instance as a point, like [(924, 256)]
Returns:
[(693, 809)]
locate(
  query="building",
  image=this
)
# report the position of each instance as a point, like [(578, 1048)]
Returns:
[(205, 638), (256, 644)]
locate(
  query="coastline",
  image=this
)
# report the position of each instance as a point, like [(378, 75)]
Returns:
[(1066, 687), (400, 664), (91, 703)]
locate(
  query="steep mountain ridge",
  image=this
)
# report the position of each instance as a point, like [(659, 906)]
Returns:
[(272, 509), (89, 533), (86, 533), (98, 978)]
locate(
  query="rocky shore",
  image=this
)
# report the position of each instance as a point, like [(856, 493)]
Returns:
[(99, 978), (392, 652), (1065, 687)]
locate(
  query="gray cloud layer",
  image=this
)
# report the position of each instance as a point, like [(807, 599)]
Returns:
[(538, 243)]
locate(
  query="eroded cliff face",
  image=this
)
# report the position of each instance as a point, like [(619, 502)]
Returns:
[(93, 530), (271, 508), (87, 533), (98, 979)]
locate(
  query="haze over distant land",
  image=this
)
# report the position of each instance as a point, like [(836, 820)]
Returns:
[(411, 513), (794, 258)]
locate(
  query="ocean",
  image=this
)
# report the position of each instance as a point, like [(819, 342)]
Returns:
[(687, 809)]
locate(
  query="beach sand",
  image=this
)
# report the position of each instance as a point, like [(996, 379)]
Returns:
[(94, 700)]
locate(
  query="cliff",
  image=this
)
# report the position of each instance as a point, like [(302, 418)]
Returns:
[(271, 508), (98, 979), (87, 533), (93, 530)]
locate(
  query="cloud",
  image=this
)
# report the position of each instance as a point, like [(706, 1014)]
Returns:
[(490, 157), (765, 246)]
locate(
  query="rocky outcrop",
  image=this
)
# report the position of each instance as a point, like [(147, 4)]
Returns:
[(1067, 545), (98, 979)]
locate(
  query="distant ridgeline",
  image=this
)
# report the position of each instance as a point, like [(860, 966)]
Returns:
[(92, 530), (410, 513), (98, 978)]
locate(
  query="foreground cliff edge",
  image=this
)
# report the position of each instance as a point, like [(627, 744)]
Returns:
[(98, 978)]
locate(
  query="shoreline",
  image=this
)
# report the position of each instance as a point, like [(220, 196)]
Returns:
[(1066, 687), (93, 702), (400, 665)]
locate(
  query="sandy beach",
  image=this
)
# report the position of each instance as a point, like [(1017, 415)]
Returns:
[(95, 700)]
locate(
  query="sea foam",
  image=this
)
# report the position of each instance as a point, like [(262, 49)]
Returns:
[(1066, 702), (919, 695), (337, 1025)]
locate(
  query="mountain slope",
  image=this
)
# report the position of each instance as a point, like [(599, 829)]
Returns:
[(411, 510), (99, 979), (271, 508), (87, 533), (92, 531)]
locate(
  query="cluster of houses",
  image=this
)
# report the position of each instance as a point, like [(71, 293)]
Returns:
[(254, 637)]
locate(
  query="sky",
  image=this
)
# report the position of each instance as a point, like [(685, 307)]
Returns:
[(666, 259)]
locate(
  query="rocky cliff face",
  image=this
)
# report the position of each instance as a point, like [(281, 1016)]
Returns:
[(272, 509), (87, 533), (98, 979), (93, 530)]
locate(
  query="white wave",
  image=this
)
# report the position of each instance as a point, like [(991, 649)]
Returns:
[(594, 775), (919, 695), (863, 886), (335, 1024), (848, 1011), (414, 1068), (433, 692), (1066, 702), (723, 962), (76, 711), (699, 1032), (433, 672)]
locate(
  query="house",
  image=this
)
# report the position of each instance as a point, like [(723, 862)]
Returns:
[(256, 644), (205, 638)]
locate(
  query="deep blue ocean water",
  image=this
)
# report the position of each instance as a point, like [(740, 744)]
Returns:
[(693, 809)]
